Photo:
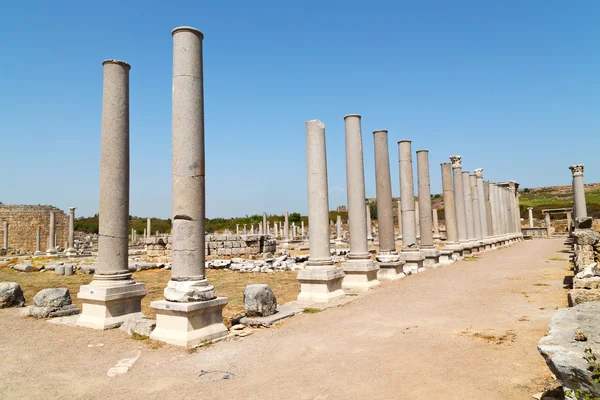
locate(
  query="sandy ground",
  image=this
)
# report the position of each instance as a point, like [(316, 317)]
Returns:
[(464, 331)]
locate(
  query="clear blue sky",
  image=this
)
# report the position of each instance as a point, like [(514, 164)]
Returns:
[(512, 86)]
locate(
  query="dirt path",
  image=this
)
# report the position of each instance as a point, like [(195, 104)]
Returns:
[(465, 331)]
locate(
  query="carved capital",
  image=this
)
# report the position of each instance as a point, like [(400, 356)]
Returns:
[(577, 170), (456, 161), (479, 173)]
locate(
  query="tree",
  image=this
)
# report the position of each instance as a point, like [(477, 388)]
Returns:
[(373, 209), (295, 217)]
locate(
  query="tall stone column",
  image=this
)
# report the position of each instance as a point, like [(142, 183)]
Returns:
[(237, 229), (510, 211), (530, 211), (452, 238), (390, 267), (469, 212), (113, 296), (5, 235), (260, 228), (38, 242), (482, 206), (569, 223), (320, 281), (52, 236), (338, 228), (399, 220), (245, 230), (410, 254), (361, 272), (475, 202), (190, 313), (302, 229), (369, 222), (71, 251), (579, 205), (488, 211), (252, 229), (149, 227), (286, 229), (548, 225), (459, 201), (432, 256), (516, 200), (264, 224), (417, 219), (436, 225)]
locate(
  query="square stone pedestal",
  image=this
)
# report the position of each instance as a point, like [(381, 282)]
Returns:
[(360, 275), (446, 256), (390, 267), (432, 257), (413, 261), (189, 324), (320, 285), (107, 307)]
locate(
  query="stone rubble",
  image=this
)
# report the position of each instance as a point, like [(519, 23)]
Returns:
[(52, 302), (11, 295), (259, 300)]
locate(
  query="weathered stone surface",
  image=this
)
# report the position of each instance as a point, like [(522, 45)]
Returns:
[(587, 283), (11, 295), (53, 297), (585, 240), (24, 267), (259, 300), (51, 312), (565, 355), (24, 220), (589, 271), (141, 326), (579, 296)]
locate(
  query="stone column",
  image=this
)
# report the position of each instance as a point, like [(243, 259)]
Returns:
[(469, 212), (338, 228), (51, 236), (302, 229), (476, 213), (293, 235), (459, 201), (579, 204), (5, 235), (237, 229), (252, 229), (410, 254), (149, 227), (260, 228), (245, 230), (436, 225), (276, 229), (361, 272), (482, 203), (569, 223), (286, 228), (71, 251), (369, 223), (548, 225), (399, 220), (264, 224), (516, 200), (38, 242), (510, 210), (190, 313), (530, 210), (451, 244), (320, 281), (390, 268), (432, 256), (145, 235), (113, 297)]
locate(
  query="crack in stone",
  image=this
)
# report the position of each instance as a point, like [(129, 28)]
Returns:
[(114, 237)]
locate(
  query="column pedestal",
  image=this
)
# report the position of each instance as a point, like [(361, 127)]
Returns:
[(432, 257), (360, 275), (321, 284), (107, 307), (457, 252), (390, 267), (189, 324), (413, 261)]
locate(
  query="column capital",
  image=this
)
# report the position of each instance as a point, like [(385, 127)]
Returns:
[(72, 208), (479, 172), (577, 170), (456, 161), (530, 208)]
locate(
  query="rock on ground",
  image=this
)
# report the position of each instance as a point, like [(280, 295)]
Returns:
[(259, 300), (571, 332), (579, 296), (11, 295), (141, 326), (52, 302)]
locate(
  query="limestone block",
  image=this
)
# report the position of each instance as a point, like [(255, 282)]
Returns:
[(53, 297), (564, 354), (23, 267), (259, 300), (141, 326), (587, 283), (11, 295), (579, 296)]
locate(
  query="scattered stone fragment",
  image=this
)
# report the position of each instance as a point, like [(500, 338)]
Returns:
[(11, 295), (53, 302), (141, 326), (123, 366), (24, 267), (259, 300)]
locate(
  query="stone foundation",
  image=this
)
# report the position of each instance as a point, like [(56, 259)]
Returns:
[(239, 245), (23, 221)]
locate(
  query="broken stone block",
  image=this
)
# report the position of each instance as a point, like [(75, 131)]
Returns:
[(11, 295), (579, 296), (53, 302), (564, 351), (24, 267), (259, 300), (141, 326)]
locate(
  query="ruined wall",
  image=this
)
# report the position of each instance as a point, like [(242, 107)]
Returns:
[(23, 221), (239, 245)]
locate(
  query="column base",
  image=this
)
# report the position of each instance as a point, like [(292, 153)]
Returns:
[(432, 257), (107, 307), (457, 251), (320, 284), (359, 275), (38, 253), (51, 252), (446, 256), (71, 252), (413, 261), (189, 324)]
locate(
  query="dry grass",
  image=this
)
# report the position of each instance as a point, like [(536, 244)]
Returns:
[(557, 258), (490, 337), (227, 284)]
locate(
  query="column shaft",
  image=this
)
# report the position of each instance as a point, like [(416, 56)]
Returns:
[(385, 215), (424, 193), (468, 205), (459, 199), (481, 200), (449, 204), (407, 195), (475, 201)]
